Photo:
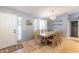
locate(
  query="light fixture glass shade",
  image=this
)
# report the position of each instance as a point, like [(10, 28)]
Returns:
[(52, 17)]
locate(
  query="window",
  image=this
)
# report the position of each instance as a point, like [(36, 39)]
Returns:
[(42, 25), (19, 28)]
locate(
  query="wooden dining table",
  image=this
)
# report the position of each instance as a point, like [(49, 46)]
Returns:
[(46, 38)]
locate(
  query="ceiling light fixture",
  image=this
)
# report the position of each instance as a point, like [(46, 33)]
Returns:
[(52, 16)]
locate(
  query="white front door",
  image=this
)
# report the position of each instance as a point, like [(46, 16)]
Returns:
[(8, 29)]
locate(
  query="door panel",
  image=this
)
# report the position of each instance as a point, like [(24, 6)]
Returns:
[(74, 28), (8, 24)]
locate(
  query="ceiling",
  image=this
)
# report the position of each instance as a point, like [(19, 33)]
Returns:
[(45, 11)]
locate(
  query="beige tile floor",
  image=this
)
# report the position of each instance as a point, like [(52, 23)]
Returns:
[(68, 45)]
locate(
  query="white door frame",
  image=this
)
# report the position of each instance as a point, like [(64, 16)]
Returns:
[(68, 24)]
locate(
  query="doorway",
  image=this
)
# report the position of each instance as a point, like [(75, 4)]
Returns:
[(74, 28)]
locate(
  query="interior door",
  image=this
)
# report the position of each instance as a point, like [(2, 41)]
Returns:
[(74, 28), (8, 29)]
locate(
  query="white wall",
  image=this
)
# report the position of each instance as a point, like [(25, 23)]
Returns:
[(61, 23), (65, 20)]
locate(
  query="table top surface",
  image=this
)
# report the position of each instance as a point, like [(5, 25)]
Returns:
[(47, 34)]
